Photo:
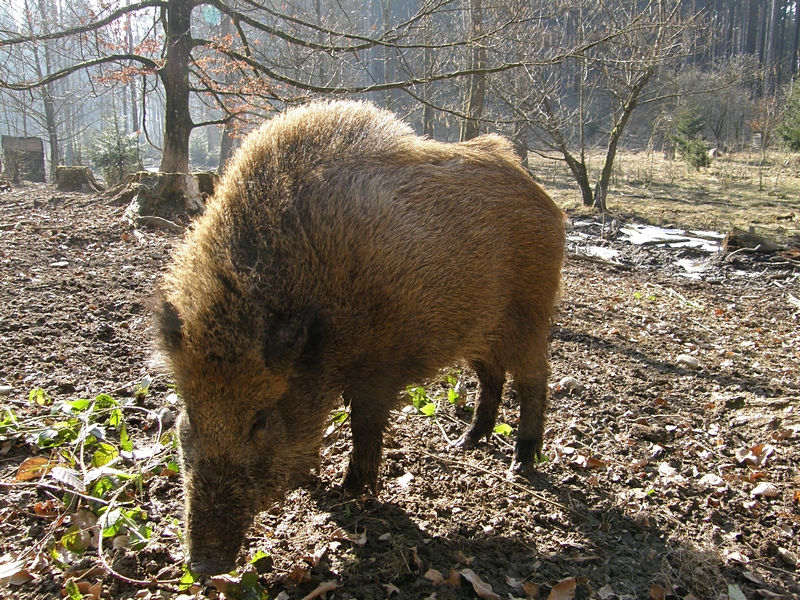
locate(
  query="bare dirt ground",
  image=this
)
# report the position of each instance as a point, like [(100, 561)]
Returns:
[(667, 477)]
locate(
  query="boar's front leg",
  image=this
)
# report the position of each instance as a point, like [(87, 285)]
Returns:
[(368, 418)]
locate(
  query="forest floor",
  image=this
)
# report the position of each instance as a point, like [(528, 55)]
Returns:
[(672, 450)]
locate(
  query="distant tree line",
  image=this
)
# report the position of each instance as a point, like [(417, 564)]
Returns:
[(183, 79)]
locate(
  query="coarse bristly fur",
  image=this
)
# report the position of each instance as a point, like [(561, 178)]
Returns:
[(342, 255)]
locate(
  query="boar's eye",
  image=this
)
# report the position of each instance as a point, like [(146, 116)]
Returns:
[(259, 422)]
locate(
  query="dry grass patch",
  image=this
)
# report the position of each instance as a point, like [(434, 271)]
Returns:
[(738, 189)]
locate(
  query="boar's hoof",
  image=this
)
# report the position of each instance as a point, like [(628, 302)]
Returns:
[(357, 484), (469, 440), (526, 454), (520, 468), (211, 566)]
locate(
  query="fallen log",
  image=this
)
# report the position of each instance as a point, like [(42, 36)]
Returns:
[(738, 239)]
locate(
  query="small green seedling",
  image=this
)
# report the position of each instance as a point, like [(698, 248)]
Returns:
[(502, 429)]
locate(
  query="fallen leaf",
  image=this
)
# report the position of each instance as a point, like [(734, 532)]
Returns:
[(454, 581), (484, 590), (300, 574), (14, 573), (531, 590), (755, 456), (89, 591), (738, 557), (606, 592), (222, 582), (787, 556), (563, 590), (514, 583), (415, 558), (752, 577), (359, 539), (389, 589), (711, 480), (781, 434), (657, 592), (587, 462), (321, 590), (33, 468), (461, 559), (45, 509), (765, 489), (435, 576), (734, 593)]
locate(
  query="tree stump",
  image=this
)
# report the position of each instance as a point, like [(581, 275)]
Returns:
[(23, 158), (163, 194), (74, 179)]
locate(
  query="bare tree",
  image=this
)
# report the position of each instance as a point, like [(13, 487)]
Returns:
[(587, 101)]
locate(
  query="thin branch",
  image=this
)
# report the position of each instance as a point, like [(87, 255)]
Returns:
[(147, 62), (94, 25)]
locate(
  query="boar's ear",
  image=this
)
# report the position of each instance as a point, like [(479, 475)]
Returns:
[(296, 339), (168, 324)]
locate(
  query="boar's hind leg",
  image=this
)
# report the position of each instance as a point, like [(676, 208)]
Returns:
[(492, 378), (367, 420), (532, 395)]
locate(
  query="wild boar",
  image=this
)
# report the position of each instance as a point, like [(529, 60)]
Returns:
[(343, 256)]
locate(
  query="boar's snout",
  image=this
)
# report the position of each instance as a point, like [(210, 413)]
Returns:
[(220, 509)]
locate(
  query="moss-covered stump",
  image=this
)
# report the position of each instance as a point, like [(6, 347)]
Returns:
[(163, 194), (75, 179)]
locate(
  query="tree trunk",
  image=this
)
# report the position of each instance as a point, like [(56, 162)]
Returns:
[(47, 90), (750, 35), (175, 78), (770, 51), (227, 145), (132, 82), (794, 56), (601, 189), (470, 126), (581, 175)]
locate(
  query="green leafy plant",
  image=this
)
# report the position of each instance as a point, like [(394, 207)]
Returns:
[(421, 401), (123, 521), (188, 579), (40, 397), (502, 429)]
